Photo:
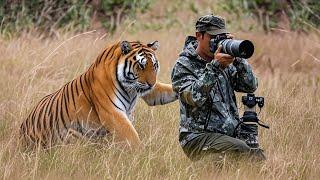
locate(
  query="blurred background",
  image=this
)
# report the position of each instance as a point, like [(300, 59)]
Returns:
[(46, 43), (50, 15)]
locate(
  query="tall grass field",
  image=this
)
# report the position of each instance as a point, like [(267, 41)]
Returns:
[(286, 63)]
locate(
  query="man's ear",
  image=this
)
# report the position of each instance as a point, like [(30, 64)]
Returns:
[(125, 47), (199, 35), (154, 45)]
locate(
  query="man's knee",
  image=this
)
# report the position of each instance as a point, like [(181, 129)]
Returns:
[(234, 144), (241, 146), (237, 145)]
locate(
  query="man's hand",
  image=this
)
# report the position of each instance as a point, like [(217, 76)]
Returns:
[(223, 59), (230, 36)]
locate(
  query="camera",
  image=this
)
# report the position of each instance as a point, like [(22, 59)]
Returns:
[(247, 129), (235, 48)]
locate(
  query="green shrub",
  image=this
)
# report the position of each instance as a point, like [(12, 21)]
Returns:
[(302, 15), (48, 15)]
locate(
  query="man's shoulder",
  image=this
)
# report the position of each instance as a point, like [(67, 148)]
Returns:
[(181, 62), (183, 65), (185, 61)]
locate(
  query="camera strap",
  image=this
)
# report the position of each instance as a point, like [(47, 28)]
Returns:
[(209, 112), (263, 125)]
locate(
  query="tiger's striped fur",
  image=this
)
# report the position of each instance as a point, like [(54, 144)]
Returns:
[(102, 99)]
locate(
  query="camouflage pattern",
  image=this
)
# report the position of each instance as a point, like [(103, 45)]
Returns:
[(211, 24), (206, 93)]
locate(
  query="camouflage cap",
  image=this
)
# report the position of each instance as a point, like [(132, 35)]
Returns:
[(211, 24)]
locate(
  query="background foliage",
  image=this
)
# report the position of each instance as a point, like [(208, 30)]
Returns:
[(296, 14), (78, 15), (49, 15)]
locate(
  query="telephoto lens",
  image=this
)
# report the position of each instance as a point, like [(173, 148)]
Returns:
[(237, 48)]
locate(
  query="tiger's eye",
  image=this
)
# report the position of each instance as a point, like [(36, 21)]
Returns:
[(141, 66)]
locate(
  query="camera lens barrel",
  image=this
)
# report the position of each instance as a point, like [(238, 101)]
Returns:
[(237, 48)]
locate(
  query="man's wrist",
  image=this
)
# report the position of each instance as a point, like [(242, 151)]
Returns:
[(213, 65), (238, 61)]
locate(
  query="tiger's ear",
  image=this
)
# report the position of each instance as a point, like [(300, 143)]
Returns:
[(154, 45), (125, 47)]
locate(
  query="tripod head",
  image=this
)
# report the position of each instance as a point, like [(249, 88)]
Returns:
[(247, 129)]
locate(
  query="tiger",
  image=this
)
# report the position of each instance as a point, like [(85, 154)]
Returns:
[(101, 100)]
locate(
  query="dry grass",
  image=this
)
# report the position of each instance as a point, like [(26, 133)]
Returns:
[(32, 67)]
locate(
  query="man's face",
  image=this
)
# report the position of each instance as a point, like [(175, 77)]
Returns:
[(203, 43)]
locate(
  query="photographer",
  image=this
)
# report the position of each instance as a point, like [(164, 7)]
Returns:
[(205, 82)]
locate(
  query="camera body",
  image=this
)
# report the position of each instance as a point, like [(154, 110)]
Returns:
[(247, 129), (235, 48)]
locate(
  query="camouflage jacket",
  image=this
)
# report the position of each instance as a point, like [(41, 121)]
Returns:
[(206, 92)]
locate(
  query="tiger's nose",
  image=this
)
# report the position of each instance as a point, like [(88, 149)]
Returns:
[(150, 85)]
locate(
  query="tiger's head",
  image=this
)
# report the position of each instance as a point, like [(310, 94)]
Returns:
[(138, 67)]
